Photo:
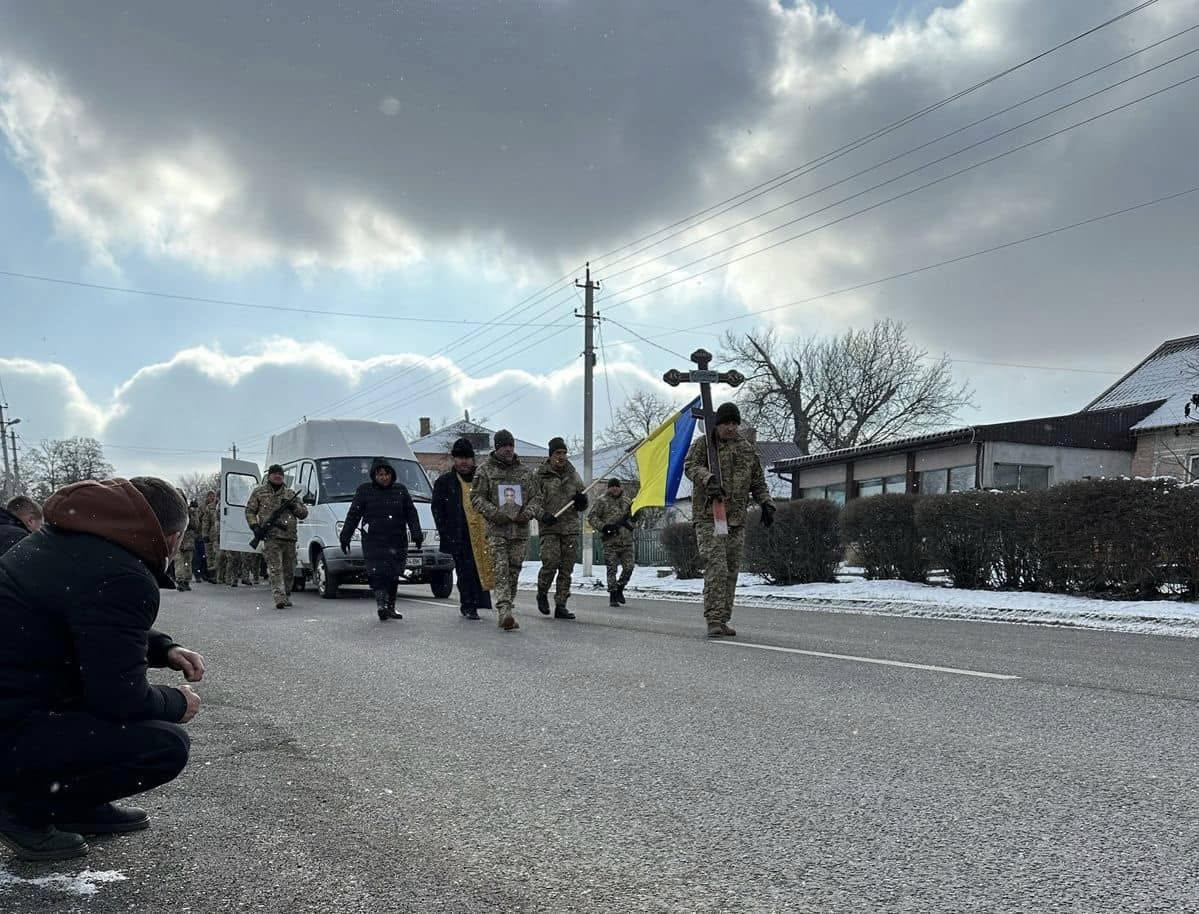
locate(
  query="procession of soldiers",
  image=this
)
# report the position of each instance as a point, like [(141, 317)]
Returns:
[(485, 512)]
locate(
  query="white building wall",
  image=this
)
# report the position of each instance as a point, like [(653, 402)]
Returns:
[(1067, 463), (946, 458)]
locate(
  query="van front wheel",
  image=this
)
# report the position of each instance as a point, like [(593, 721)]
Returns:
[(442, 583), (326, 582)]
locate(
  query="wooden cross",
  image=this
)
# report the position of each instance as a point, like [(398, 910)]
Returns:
[(705, 377)]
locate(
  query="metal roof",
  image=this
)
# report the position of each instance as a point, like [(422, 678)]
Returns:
[(440, 441)]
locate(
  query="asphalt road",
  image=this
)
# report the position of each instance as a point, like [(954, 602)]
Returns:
[(623, 763)]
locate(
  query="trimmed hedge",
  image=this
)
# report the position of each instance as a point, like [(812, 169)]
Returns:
[(882, 532), (682, 550), (961, 535), (803, 546)]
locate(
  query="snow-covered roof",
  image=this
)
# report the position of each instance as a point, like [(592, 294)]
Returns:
[(440, 441), (1169, 373), (314, 438)]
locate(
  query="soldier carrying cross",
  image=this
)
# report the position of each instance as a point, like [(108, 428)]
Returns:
[(725, 473)]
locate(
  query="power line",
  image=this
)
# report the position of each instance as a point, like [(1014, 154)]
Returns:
[(877, 204), (773, 183), (648, 340), (908, 152), (197, 299), (1136, 207)]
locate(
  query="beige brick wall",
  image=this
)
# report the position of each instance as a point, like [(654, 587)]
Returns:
[(1166, 452)]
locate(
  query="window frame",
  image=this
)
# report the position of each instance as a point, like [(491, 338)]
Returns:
[(1020, 480)]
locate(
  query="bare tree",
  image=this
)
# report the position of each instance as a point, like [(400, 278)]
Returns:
[(639, 415), (197, 485), (858, 388), (55, 463)]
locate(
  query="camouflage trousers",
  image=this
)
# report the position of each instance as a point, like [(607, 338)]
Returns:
[(233, 567), (280, 566), (183, 565), (557, 558), (507, 557), (722, 561), (618, 557)]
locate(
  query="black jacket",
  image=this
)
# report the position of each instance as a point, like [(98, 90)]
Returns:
[(448, 513), (12, 530), (77, 610), (387, 515)]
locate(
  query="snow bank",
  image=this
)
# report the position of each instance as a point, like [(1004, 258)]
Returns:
[(929, 601)]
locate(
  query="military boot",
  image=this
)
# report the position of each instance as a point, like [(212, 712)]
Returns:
[(620, 595), (508, 623), (561, 612), (614, 598), (727, 631), (381, 605), (543, 602), (715, 630), (184, 586), (39, 842)]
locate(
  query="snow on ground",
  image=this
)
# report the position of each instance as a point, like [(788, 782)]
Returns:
[(928, 601), (86, 883)]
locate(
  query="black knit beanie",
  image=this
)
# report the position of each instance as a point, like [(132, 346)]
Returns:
[(728, 412), (463, 448), (503, 438), (557, 444)]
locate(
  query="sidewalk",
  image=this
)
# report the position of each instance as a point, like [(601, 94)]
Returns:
[(925, 601)]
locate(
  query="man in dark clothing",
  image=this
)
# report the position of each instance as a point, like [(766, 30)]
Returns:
[(462, 531), (387, 514), (22, 517), (80, 726)]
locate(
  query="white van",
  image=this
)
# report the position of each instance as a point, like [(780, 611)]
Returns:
[(324, 461)]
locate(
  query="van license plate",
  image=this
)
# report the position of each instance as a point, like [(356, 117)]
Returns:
[(413, 561)]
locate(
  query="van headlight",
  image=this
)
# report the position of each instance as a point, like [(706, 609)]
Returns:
[(356, 538), (432, 538)]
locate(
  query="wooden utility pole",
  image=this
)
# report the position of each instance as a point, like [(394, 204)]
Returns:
[(16, 467), (589, 288)]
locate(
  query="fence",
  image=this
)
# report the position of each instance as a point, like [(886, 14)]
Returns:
[(647, 548)]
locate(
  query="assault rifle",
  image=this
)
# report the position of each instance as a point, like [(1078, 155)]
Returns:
[(261, 531)]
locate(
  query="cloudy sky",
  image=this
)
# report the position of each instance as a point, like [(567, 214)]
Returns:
[(419, 166)]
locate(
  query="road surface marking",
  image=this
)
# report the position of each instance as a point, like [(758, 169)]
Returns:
[(910, 666), (400, 596)]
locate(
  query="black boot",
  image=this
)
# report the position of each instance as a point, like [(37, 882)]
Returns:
[(183, 585), (381, 605), (39, 842), (614, 597), (543, 602), (561, 612), (106, 819), (620, 595), (391, 601)]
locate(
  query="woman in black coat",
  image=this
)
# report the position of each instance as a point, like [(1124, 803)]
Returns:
[(387, 514)]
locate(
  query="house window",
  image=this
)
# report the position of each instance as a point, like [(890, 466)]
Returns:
[(1019, 477), (1193, 470), (895, 484), (868, 488), (834, 494), (953, 479), (889, 485)]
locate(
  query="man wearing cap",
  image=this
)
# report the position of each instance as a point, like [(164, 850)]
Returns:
[(462, 531), (612, 517), (507, 518), (741, 478), (272, 511), (562, 498)]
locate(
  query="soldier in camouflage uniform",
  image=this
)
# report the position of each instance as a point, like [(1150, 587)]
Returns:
[(505, 492), (183, 559), (741, 478), (210, 529), (559, 485), (612, 517), (279, 541)]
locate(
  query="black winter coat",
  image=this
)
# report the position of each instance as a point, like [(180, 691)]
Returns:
[(12, 531), (387, 516), (449, 515), (76, 611)]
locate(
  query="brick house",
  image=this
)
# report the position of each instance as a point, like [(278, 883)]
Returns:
[(432, 448), (1165, 441)]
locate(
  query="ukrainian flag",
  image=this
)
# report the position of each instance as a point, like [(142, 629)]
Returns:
[(660, 459)]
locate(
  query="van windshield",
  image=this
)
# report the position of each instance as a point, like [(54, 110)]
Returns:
[(341, 476)]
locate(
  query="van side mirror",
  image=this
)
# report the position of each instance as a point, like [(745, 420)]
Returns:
[(309, 498)]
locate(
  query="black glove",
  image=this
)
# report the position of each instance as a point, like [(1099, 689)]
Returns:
[(609, 530), (713, 488), (345, 547), (627, 522), (548, 520), (768, 514), (580, 500), (418, 540)]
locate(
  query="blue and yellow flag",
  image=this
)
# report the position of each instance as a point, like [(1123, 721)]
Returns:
[(660, 459)]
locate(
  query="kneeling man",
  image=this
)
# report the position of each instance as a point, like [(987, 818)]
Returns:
[(80, 726)]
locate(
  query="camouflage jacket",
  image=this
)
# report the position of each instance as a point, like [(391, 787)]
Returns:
[(489, 494), (265, 500), (193, 528), (210, 523), (740, 474), (609, 510), (557, 489)]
